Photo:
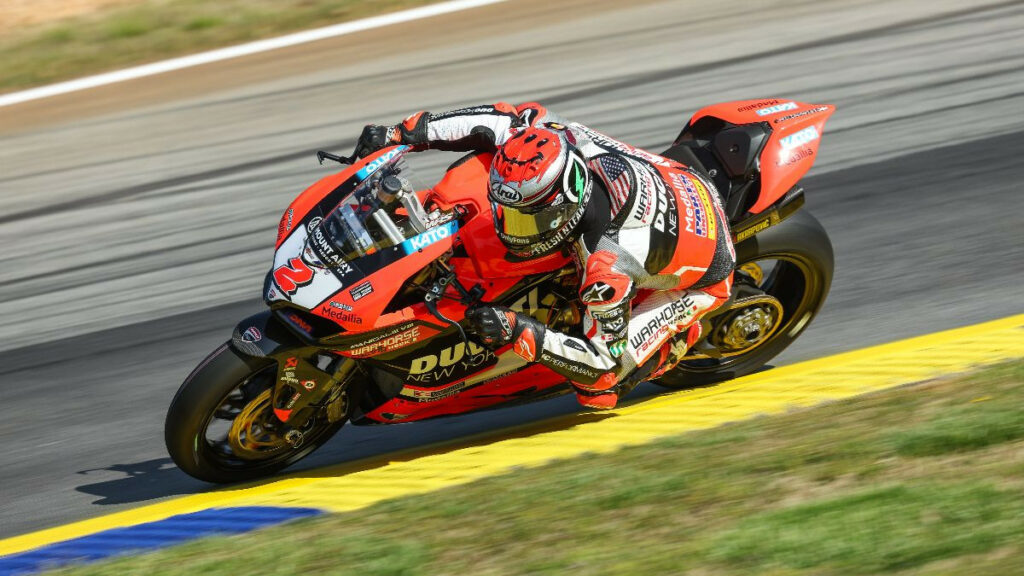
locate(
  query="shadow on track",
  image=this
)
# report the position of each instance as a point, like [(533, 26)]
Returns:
[(157, 478), (146, 480)]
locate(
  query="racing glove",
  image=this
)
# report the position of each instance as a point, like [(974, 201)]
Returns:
[(497, 326), (373, 138), (411, 131)]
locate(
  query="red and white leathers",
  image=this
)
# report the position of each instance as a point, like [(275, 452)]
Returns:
[(653, 250)]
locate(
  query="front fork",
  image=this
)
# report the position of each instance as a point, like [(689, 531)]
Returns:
[(308, 380)]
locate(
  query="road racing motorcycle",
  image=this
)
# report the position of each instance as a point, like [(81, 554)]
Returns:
[(371, 279)]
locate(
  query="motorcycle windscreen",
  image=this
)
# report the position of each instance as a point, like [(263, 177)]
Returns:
[(369, 221)]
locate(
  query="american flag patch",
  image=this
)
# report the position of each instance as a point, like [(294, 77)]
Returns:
[(615, 173)]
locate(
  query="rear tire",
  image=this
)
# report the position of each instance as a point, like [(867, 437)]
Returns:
[(804, 252), (223, 373)]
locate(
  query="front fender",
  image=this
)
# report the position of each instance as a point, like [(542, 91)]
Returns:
[(262, 335), (300, 381)]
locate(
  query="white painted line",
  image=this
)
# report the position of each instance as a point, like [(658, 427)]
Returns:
[(241, 50)]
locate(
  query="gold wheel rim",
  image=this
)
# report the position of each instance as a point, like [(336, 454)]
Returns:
[(247, 437), (754, 270)]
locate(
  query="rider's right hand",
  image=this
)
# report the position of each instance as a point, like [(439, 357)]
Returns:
[(374, 138)]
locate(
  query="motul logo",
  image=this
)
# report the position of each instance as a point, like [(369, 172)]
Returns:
[(296, 273)]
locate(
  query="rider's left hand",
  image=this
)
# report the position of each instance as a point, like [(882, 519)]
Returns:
[(495, 325)]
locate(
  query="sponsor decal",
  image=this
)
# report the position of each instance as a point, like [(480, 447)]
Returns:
[(642, 207), (288, 374), (574, 182), (799, 114), (614, 324), (794, 156), (252, 334), (429, 237), (340, 315), (667, 211), (290, 277), (361, 290), (753, 229), (575, 345), (285, 226), (434, 395), (308, 384), (324, 248), (611, 144), (697, 216), (617, 348), (340, 305), (574, 368), (390, 340), (677, 313), (505, 193), (561, 236), (598, 292), (372, 167), (757, 105), (300, 323), (465, 112), (452, 362), (516, 240), (800, 138), (526, 346), (776, 109)]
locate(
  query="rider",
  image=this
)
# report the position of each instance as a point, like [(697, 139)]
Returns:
[(648, 236)]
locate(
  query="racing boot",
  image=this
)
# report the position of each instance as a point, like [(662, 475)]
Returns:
[(601, 395)]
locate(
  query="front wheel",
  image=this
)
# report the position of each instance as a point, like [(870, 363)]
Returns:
[(783, 276), (221, 426)]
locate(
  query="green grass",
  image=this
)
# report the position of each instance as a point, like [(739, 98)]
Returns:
[(156, 29), (927, 479)]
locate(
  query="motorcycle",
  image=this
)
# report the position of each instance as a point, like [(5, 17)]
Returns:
[(371, 279)]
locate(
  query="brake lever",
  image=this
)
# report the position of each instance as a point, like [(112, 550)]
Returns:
[(322, 155), (434, 294)]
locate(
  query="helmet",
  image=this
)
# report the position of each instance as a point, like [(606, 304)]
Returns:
[(539, 189)]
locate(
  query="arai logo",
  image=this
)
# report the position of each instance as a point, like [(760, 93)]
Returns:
[(776, 109), (804, 136)]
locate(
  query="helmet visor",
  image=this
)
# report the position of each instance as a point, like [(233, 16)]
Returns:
[(522, 228)]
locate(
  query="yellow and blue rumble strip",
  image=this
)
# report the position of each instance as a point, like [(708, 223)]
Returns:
[(357, 485)]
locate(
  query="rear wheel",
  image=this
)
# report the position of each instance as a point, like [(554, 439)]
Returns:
[(783, 277), (221, 426)]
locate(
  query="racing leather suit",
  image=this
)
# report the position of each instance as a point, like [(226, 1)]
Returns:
[(654, 251)]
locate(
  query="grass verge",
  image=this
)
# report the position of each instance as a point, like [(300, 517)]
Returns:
[(151, 30), (927, 479)]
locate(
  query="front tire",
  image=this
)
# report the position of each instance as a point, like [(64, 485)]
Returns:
[(802, 261), (225, 385)]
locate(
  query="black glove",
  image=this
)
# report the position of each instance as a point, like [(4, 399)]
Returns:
[(495, 325), (374, 138)]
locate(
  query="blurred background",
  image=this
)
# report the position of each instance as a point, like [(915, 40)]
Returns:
[(138, 218)]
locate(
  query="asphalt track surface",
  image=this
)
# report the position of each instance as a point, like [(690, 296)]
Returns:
[(138, 219)]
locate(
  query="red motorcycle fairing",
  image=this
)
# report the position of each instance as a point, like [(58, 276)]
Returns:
[(795, 134), (432, 370), (443, 374)]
